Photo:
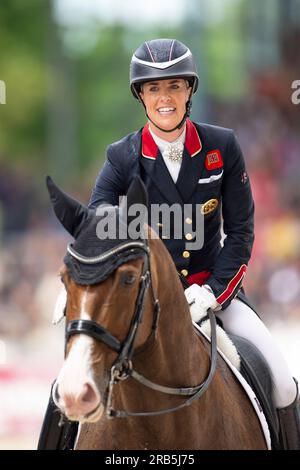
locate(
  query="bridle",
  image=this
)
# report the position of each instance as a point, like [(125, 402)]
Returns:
[(122, 367)]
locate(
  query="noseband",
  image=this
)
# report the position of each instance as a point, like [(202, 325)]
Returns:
[(122, 367)]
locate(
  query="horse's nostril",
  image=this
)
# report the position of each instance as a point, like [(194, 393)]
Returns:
[(88, 394)]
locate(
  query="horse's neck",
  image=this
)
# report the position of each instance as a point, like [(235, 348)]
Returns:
[(176, 341)]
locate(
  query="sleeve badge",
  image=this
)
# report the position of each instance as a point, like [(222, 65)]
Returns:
[(244, 177)]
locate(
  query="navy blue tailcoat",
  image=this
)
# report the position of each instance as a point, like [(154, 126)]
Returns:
[(212, 179)]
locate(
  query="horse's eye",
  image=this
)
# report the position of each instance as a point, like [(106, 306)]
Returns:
[(127, 279)]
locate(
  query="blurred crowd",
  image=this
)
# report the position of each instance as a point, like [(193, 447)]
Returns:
[(29, 281), (33, 243), (270, 142)]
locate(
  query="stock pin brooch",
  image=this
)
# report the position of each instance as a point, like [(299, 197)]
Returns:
[(174, 152)]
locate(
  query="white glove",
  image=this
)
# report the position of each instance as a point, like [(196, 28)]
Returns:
[(200, 299)]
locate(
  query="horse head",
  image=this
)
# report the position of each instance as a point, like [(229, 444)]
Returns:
[(109, 312)]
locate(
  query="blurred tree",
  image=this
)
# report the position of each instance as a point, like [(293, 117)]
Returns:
[(106, 107), (212, 30), (23, 28), (67, 90)]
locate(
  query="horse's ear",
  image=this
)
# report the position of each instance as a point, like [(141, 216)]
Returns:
[(69, 212), (136, 194)]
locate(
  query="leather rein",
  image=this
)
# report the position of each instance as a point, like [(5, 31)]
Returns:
[(122, 368)]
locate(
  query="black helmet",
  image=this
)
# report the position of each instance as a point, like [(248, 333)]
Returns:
[(160, 59)]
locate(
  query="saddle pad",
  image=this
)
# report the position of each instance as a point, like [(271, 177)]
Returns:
[(250, 393)]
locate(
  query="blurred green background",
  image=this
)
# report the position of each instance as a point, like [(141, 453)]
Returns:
[(65, 65)]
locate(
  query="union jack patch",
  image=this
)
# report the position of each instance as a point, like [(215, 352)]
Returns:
[(213, 160), (244, 177)]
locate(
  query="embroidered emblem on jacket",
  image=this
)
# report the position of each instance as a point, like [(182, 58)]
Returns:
[(213, 160), (209, 206)]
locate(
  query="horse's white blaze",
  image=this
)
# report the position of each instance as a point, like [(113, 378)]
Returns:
[(83, 314), (76, 371), (59, 308)]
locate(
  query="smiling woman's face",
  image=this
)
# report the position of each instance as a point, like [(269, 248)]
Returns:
[(165, 101)]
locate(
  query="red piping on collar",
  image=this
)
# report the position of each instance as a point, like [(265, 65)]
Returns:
[(149, 147), (192, 141)]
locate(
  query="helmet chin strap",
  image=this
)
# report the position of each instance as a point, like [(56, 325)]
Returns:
[(186, 115)]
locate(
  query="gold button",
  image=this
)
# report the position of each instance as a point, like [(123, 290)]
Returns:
[(186, 254), (188, 236), (184, 272), (159, 224), (188, 221)]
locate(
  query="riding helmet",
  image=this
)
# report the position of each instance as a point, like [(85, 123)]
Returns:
[(160, 59)]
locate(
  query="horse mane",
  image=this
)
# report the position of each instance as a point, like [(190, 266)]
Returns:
[(175, 318), (163, 265)]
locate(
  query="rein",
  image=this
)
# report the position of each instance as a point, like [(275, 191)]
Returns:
[(122, 367)]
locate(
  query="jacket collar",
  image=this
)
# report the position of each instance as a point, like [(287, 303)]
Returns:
[(192, 141)]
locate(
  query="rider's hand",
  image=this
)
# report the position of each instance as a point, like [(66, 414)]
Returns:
[(200, 299)]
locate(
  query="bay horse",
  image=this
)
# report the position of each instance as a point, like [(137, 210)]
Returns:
[(137, 374)]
